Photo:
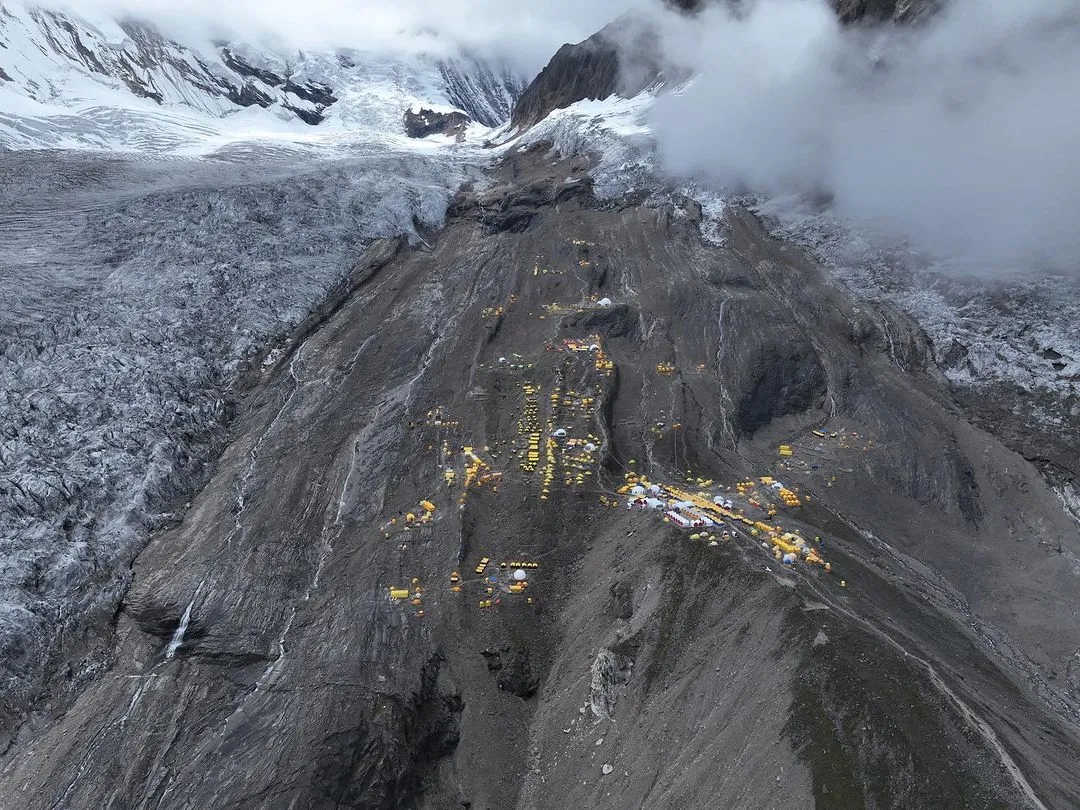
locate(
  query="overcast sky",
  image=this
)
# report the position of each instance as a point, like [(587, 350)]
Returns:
[(964, 138), (526, 32)]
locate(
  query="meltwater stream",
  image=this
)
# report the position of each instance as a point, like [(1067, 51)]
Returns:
[(178, 636)]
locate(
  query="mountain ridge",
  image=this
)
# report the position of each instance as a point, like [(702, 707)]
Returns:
[(58, 69), (262, 628), (625, 57), (509, 474)]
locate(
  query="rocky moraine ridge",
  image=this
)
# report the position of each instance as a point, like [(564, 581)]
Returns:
[(259, 660), (554, 503)]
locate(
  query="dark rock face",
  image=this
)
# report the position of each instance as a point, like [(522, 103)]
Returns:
[(617, 321), (424, 122), (381, 764), (621, 58), (624, 58), (244, 69), (312, 117), (312, 91), (785, 377), (587, 70), (248, 95), (514, 670), (258, 660)]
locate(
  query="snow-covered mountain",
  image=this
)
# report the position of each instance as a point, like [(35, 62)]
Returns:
[(123, 85)]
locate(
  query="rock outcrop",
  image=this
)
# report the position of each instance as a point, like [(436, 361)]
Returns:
[(622, 58), (625, 57), (153, 66), (422, 122)]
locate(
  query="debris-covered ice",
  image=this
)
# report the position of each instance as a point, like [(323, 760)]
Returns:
[(134, 294), (1016, 329)]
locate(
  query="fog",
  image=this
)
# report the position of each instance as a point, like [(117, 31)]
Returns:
[(526, 34), (961, 137)]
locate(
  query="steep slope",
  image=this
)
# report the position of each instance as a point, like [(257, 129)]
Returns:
[(68, 83), (1008, 347), (485, 92), (259, 661), (135, 293), (622, 58), (625, 57), (47, 52)]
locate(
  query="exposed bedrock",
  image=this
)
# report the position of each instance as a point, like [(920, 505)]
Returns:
[(259, 661)]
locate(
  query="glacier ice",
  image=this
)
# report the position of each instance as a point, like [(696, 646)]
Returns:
[(135, 292)]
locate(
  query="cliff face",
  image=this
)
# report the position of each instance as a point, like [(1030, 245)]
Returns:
[(76, 84), (259, 661), (624, 58), (423, 122), (621, 58), (37, 42)]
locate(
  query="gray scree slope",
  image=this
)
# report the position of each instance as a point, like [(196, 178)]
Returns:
[(943, 675)]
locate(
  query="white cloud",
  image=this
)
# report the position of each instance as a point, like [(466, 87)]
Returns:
[(962, 137), (526, 33)]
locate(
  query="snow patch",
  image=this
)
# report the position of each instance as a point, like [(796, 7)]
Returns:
[(612, 129), (440, 109)]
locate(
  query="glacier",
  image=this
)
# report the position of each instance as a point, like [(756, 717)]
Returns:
[(161, 239), (136, 293)]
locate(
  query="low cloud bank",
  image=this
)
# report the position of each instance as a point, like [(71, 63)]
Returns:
[(524, 33), (962, 136)]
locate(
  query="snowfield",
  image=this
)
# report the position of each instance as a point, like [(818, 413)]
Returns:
[(69, 84), (614, 131)]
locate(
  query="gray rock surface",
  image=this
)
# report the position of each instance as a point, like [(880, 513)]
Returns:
[(424, 122), (622, 58), (257, 660), (626, 57), (137, 296)]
